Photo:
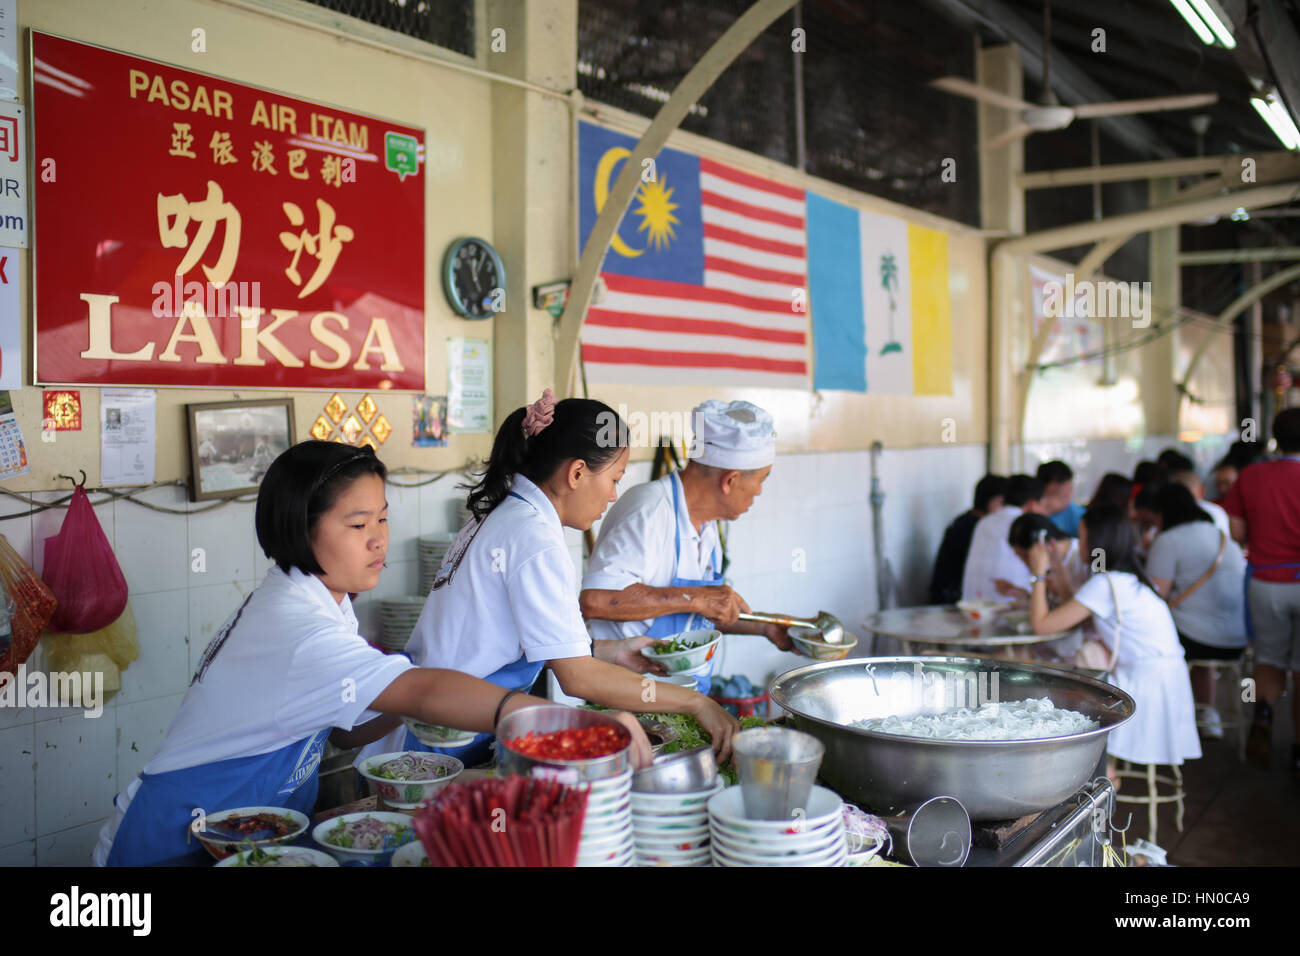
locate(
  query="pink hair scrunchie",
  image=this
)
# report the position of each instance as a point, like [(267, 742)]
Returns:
[(539, 414)]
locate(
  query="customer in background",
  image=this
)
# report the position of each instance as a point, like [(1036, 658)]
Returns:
[(1146, 514), (990, 556), (1183, 471), (1264, 509), (1113, 489), (1066, 572), (1135, 624), (1199, 570), (950, 563), (1224, 474), (1058, 496)]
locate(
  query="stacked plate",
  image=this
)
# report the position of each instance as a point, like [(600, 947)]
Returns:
[(672, 829), (812, 839), (607, 827), (433, 548), (397, 617)]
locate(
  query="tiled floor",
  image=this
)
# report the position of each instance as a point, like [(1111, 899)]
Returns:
[(1236, 815)]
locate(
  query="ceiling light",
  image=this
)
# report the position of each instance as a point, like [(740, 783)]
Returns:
[(1207, 20), (1216, 20), (1279, 121)]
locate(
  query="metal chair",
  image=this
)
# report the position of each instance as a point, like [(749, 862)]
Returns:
[(1153, 798), (1234, 719)]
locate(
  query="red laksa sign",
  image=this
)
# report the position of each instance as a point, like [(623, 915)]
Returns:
[(196, 232)]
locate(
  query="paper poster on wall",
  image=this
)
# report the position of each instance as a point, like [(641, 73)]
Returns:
[(429, 421), (126, 427), (9, 49), (13, 453), (469, 385), (11, 322)]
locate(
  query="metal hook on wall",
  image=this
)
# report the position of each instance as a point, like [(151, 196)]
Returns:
[(74, 480)]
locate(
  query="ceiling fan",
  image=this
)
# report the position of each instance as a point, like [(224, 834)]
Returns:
[(1050, 114)]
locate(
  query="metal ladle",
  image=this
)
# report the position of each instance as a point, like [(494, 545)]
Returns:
[(832, 631)]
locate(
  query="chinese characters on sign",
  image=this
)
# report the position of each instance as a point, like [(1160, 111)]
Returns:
[(248, 239)]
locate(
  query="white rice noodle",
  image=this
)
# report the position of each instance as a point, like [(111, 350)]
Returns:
[(1030, 719)]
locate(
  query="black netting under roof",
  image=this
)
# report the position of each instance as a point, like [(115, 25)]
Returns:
[(444, 23), (871, 122)]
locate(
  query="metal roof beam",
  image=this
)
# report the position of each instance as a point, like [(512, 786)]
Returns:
[(1269, 166)]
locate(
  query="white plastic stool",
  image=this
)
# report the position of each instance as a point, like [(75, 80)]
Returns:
[(1153, 798)]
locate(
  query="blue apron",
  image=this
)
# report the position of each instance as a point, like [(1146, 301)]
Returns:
[(671, 624), (519, 674), (156, 826)]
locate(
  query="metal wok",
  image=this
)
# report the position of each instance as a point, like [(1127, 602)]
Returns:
[(994, 780)]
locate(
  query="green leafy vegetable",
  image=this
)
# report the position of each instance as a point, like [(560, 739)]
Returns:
[(677, 644)]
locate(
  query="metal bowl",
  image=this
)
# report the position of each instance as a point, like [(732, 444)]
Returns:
[(810, 644), (689, 771), (656, 730), (544, 720), (993, 779)]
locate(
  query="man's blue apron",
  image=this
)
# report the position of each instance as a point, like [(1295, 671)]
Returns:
[(519, 674), (156, 827), (671, 624)]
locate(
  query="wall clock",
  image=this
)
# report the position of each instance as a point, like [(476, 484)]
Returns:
[(474, 278)]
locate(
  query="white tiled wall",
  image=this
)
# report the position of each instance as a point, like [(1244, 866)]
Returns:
[(60, 770)]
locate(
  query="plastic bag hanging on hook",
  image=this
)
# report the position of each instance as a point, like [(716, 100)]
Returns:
[(83, 572)]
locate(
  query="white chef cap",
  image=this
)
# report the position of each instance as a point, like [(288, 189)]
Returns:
[(733, 435)]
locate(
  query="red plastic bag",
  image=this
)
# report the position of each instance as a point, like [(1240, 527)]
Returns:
[(30, 605), (83, 572)]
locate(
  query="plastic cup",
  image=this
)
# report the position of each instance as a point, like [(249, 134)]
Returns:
[(777, 770)]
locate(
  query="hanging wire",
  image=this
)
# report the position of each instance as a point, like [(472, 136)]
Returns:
[(131, 494)]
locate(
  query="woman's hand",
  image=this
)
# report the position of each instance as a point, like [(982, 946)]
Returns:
[(641, 756), (627, 653), (719, 725), (1038, 561), (1007, 589)]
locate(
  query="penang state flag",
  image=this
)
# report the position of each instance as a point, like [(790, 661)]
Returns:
[(880, 303), (706, 279)]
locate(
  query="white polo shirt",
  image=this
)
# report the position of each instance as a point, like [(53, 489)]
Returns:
[(285, 666), (292, 665), (515, 592), (636, 545), (991, 557)]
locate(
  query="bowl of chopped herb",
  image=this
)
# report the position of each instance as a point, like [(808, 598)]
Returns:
[(682, 652), (407, 779)]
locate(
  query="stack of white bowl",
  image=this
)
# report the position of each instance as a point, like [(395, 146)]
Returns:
[(433, 548), (812, 839), (672, 829), (397, 617), (607, 827)]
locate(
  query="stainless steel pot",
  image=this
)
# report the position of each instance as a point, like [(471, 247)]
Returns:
[(545, 719), (994, 780)]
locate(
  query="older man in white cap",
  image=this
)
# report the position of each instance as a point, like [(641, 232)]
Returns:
[(657, 567)]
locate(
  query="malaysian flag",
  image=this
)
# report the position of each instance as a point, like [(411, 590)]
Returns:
[(706, 278)]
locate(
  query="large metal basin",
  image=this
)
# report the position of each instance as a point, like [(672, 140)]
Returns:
[(994, 780)]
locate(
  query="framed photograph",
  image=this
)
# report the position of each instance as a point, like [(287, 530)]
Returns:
[(233, 443)]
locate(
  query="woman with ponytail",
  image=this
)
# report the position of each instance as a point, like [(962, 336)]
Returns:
[(504, 605)]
